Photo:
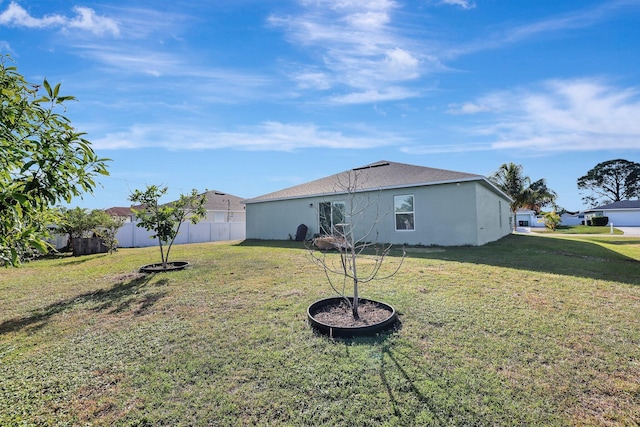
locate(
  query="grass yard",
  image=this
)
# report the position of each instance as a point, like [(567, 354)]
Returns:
[(530, 330), (578, 229)]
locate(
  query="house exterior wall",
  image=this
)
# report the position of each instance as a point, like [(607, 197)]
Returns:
[(622, 217), (447, 215), (225, 216), (494, 215), (278, 220), (528, 218), (569, 219)]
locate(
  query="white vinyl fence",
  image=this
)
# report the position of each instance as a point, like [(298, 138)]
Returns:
[(130, 236)]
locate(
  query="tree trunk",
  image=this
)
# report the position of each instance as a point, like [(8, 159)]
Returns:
[(356, 297), (162, 257)]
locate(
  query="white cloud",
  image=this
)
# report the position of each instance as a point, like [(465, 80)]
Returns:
[(464, 4), (467, 108), (368, 20), (5, 47), (562, 115), (89, 21), (351, 4), (85, 19), (312, 79), (356, 46), (574, 20), (372, 96), (401, 65), (268, 136), (176, 75), (16, 16), (420, 150)]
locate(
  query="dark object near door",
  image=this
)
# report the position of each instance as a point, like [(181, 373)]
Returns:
[(301, 233)]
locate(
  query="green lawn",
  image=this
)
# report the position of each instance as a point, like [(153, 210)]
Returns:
[(531, 330), (578, 229)]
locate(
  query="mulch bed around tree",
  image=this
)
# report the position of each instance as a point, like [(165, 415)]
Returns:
[(159, 268), (342, 317)]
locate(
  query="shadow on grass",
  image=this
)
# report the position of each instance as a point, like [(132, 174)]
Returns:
[(398, 376), (119, 298), (68, 259), (621, 242), (436, 410), (572, 256), (583, 257), (285, 244)]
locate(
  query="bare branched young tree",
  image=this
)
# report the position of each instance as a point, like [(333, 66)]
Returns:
[(360, 257)]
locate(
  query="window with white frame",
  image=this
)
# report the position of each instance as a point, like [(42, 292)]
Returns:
[(330, 215), (404, 212)]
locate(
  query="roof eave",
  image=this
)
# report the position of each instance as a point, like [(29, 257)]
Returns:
[(390, 187)]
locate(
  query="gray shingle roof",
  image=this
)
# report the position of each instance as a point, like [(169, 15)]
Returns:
[(622, 204), (120, 211), (375, 176), (219, 201)]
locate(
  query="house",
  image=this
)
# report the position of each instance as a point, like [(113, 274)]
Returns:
[(225, 220), (625, 213), (572, 218), (528, 218), (405, 204), (223, 207), (124, 213)]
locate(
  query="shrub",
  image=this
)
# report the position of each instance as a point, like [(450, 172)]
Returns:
[(600, 220)]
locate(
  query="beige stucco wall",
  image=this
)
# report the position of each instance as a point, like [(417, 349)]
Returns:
[(467, 213)]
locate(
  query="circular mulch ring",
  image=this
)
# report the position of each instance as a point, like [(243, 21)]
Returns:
[(333, 317), (158, 268)]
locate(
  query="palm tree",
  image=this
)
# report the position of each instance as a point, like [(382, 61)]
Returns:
[(510, 179), (541, 196)]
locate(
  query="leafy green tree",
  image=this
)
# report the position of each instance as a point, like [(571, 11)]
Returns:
[(80, 222), (165, 220), (108, 231), (44, 160), (611, 181), (511, 180)]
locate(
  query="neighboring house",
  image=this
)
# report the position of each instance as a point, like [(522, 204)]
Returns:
[(413, 205), (121, 212), (572, 218), (528, 218), (625, 213), (225, 220), (223, 207)]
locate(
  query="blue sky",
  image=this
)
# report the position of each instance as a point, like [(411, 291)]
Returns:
[(252, 96)]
